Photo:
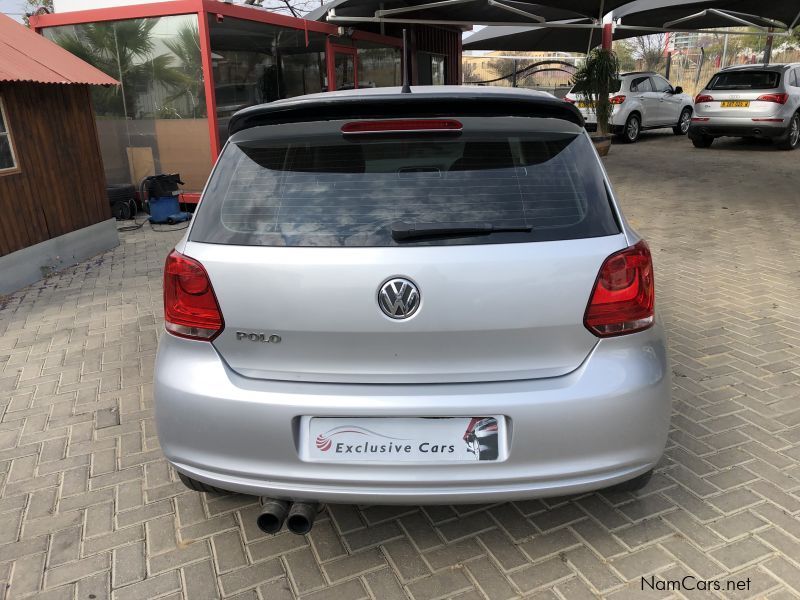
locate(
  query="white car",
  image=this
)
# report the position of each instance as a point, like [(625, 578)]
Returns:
[(641, 100)]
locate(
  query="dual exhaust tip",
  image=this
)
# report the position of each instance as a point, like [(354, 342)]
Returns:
[(298, 516)]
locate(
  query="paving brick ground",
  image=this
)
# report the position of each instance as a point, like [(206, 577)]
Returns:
[(89, 509)]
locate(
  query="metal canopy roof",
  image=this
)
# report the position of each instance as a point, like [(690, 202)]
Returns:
[(703, 14), (461, 11), (27, 56), (547, 39), (638, 17)]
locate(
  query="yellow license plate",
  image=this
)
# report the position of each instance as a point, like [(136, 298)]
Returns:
[(735, 103), (583, 104)]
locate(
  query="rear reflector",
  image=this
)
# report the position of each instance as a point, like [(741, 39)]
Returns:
[(402, 125), (700, 119), (703, 98), (618, 99), (191, 309), (623, 298), (778, 98)]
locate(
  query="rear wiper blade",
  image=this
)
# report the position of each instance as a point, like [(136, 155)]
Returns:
[(411, 231)]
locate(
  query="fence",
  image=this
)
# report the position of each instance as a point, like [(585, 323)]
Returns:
[(547, 73), (691, 69)]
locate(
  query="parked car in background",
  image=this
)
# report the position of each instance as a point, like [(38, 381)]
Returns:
[(390, 298), (641, 100), (759, 101)]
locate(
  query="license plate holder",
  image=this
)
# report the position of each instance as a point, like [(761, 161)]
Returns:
[(403, 439)]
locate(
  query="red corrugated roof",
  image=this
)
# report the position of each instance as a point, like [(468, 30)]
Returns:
[(28, 56)]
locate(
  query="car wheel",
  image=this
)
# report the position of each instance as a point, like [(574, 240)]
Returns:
[(703, 141), (792, 139), (632, 129), (198, 486), (684, 121), (634, 484)]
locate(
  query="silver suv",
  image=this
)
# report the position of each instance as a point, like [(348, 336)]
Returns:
[(440, 306), (760, 101), (641, 100)]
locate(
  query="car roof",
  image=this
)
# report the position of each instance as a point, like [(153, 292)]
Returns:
[(388, 102), (762, 67)]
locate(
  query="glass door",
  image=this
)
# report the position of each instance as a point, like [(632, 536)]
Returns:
[(343, 69)]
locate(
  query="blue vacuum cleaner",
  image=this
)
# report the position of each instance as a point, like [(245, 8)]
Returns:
[(162, 199)]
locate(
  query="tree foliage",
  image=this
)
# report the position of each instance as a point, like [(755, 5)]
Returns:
[(595, 78), (296, 8), (650, 49), (124, 50), (31, 6)]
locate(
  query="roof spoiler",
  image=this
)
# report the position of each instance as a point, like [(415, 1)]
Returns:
[(410, 106)]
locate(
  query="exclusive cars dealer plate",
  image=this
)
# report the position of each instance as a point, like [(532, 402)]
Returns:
[(445, 439)]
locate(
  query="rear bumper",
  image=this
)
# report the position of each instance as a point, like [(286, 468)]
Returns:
[(738, 128), (602, 424)]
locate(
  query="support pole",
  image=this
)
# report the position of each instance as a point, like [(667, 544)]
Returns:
[(208, 82), (669, 65), (724, 51), (768, 48), (608, 36)]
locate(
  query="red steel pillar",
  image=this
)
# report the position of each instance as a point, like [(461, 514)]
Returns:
[(608, 36)]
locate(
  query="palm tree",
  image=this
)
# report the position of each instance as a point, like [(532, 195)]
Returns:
[(186, 47), (123, 50)]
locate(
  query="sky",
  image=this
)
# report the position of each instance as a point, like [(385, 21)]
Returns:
[(13, 8)]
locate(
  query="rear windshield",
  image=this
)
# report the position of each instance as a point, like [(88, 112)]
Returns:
[(334, 191), (745, 80)]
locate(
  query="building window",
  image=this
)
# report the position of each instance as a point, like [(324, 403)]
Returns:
[(156, 120), (255, 62), (430, 69), (7, 158)]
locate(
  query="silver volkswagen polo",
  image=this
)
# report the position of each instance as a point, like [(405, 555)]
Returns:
[(441, 306)]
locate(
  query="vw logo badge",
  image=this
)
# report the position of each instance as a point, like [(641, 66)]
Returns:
[(398, 298)]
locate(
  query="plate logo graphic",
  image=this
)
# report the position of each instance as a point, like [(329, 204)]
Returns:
[(481, 438), (325, 440)]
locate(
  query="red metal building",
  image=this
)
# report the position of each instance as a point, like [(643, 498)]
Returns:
[(186, 66)]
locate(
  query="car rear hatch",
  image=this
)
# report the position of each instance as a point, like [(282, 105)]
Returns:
[(585, 101), (751, 94), (296, 229)]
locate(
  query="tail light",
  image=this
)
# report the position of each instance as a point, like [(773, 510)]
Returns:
[(623, 298), (570, 100), (618, 99), (402, 125), (778, 98), (703, 98), (191, 309)]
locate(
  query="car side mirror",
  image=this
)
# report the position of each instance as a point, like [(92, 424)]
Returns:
[(678, 90)]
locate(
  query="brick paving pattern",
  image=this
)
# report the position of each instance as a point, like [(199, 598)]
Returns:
[(90, 510)]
